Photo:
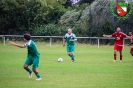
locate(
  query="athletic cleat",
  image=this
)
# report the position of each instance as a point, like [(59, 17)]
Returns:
[(39, 79), (30, 76), (72, 60), (120, 60), (114, 60)]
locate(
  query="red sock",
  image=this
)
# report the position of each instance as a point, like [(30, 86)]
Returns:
[(120, 56), (114, 56)]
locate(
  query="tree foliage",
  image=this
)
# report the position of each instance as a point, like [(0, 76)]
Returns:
[(50, 17), (22, 15), (79, 17)]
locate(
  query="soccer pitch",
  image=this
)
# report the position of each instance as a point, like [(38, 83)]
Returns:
[(93, 68)]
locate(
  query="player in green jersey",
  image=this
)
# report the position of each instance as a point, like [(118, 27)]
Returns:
[(70, 39), (32, 56)]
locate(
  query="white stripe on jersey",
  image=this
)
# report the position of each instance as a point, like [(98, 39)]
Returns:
[(27, 44), (120, 45)]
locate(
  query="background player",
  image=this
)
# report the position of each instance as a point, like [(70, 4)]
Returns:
[(32, 57), (131, 34), (70, 39), (118, 45)]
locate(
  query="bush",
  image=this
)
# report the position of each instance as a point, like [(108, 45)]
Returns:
[(55, 30)]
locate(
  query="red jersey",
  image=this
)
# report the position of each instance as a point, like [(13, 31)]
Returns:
[(119, 37), (132, 38), (131, 50)]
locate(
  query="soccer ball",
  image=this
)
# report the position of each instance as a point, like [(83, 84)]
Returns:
[(60, 60)]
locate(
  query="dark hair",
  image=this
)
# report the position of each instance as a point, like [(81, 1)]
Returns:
[(131, 32), (27, 36)]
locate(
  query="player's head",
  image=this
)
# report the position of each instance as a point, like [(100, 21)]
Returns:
[(118, 29), (27, 37), (69, 31), (130, 33)]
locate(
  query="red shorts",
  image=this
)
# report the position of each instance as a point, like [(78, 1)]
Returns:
[(131, 50), (118, 47)]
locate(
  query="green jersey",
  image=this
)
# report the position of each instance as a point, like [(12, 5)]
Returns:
[(70, 39), (32, 49)]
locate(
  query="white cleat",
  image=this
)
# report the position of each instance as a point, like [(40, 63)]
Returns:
[(30, 76), (39, 79), (72, 61)]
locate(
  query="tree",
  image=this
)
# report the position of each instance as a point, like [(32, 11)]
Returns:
[(24, 15)]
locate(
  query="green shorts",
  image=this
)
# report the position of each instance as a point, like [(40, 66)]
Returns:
[(32, 60), (70, 48)]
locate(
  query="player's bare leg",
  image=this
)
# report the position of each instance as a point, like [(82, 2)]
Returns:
[(131, 53), (27, 69), (121, 56), (115, 55), (69, 54), (36, 73)]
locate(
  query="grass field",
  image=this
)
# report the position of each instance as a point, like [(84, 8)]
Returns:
[(93, 68)]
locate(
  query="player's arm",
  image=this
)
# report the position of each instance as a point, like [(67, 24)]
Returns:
[(64, 42), (15, 44), (108, 36), (128, 37), (75, 38), (130, 43)]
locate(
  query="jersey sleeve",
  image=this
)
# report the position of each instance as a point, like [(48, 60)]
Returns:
[(114, 34), (75, 38), (124, 35), (65, 37)]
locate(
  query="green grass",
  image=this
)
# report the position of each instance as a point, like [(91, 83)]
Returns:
[(94, 68)]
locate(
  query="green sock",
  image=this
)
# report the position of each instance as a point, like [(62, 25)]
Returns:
[(38, 75), (72, 57), (30, 71)]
